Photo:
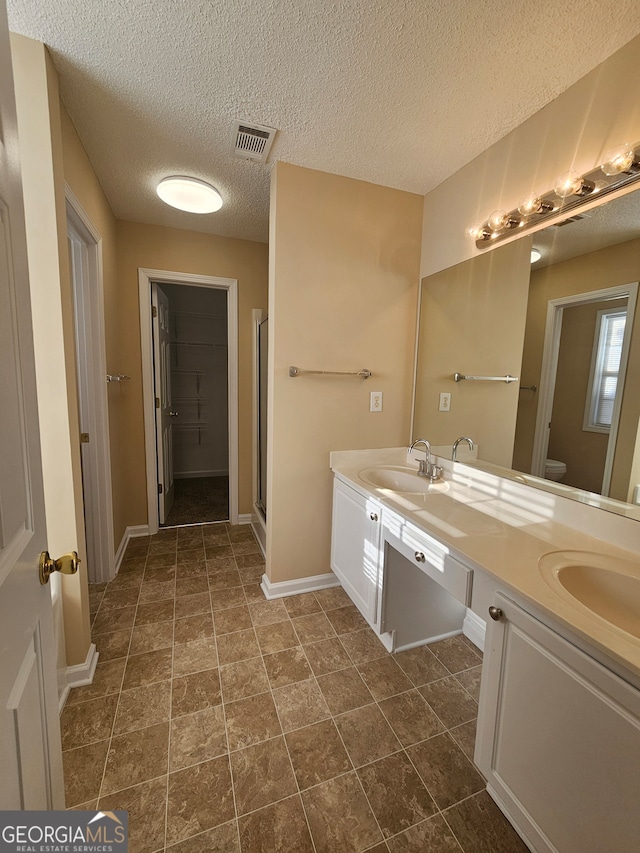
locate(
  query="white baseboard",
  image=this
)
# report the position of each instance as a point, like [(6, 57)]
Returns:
[(130, 533), (259, 531), (79, 674), (244, 518), (195, 475), (474, 628), (295, 587)]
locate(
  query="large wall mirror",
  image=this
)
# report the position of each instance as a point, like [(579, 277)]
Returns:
[(566, 325)]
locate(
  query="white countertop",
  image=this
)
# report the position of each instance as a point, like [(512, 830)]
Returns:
[(503, 527)]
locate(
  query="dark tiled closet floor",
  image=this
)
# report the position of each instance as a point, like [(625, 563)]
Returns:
[(225, 723)]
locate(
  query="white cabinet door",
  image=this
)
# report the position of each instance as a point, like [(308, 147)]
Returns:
[(558, 739), (355, 547), (164, 413)]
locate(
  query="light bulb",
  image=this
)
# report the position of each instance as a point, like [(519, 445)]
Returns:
[(189, 194), (568, 184), (498, 220), (536, 254), (477, 232), (619, 159), (534, 204)]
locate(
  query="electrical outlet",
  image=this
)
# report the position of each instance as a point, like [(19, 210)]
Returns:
[(445, 402), (375, 401)]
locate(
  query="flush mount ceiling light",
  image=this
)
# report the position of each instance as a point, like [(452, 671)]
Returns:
[(620, 167), (536, 254), (189, 194)]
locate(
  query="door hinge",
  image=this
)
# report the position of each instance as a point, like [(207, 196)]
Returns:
[(154, 311), (157, 402), (84, 438), (160, 489)]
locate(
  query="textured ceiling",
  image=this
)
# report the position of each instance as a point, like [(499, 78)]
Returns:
[(398, 92)]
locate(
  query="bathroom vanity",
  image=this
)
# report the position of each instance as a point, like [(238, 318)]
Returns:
[(559, 720)]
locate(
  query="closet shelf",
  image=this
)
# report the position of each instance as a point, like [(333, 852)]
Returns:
[(189, 399), (190, 372), (194, 425), (197, 344), (199, 315)]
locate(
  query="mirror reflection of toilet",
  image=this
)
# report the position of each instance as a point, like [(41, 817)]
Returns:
[(554, 470)]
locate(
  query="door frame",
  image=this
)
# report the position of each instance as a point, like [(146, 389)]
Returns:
[(145, 278), (553, 331), (93, 404)]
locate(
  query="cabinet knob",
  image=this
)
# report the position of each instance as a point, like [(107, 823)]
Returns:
[(495, 613), (374, 516), (420, 558)]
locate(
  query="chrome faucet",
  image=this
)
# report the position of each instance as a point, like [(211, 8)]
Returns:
[(424, 465), (454, 449)]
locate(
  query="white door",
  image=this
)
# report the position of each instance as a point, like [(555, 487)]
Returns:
[(162, 372), (30, 750)]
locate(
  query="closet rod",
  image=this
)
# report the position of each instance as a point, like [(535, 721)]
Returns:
[(460, 376), (298, 371)]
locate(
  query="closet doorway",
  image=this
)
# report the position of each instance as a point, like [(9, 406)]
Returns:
[(189, 343)]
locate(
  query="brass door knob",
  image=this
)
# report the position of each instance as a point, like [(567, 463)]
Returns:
[(68, 565), (495, 613)]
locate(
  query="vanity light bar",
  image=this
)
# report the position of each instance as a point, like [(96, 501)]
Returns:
[(620, 168)]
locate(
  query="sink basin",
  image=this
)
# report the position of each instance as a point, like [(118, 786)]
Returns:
[(607, 586), (396, 478)]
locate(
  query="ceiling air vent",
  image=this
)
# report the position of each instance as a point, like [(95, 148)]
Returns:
[(252, 141)]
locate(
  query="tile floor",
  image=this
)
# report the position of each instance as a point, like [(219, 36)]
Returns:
[(198, 500), (225, 723)]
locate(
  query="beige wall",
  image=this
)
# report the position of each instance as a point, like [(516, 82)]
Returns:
[(583, 451), (573, 131), (615, 265), (344, 264), (52, 310), (472, 320), (155, 247)]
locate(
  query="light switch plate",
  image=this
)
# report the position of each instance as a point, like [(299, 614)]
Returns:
[(445, 402)]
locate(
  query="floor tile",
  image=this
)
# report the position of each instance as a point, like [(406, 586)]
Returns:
[(107, 679), (193, 569), (421, 665), (363, 646), (470, 680), (317, 753), (301, 605), (195, 656), (430, 836), (251, 721), (245, 547), (191, 605), (150, 638), (455, 654), (278, 828), (113, 646), (87, 722), (162, 591), (410, 717), (187, 554), (191, 586), (243, 679), (445, 770), (287, 667), (224, 580), (220, 839), (396, 793), (332, 598), (142, 707), (240, 645), (165, 574), (340, 818), (480, 827), (136, 757), (253, 572), (195, 692), (346, 619), (253, 592), (327, 656), (234, 619), (197, 737), (312, 628), (262, 775), (116, 598), (219, 562), (384, 677), (147, 806), (216, 550), (450, 701), (192, 807), (83, 769), (193, 628), (146, 668), (366, 735), (268, 612), (114, 620), (126, 580), (465, 737), (155, 611), (276, 637), (223, 599), (344, 690), (160, 561), (300, 705)]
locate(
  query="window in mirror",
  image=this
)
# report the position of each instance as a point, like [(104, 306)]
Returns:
[(605, 366)]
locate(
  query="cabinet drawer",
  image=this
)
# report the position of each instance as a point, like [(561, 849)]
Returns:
[(433, 559)]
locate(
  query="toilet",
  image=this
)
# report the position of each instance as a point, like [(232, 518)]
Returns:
[(554, 470)]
